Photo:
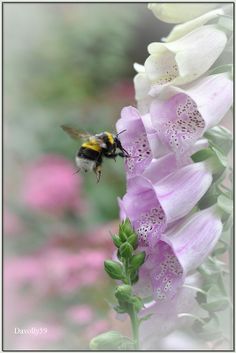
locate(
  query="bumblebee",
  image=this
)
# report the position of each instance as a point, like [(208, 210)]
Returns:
[(94, 148)]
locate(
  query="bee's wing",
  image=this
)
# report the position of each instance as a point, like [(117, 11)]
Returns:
[(75, 134)]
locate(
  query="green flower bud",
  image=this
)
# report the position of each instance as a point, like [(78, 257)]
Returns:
[(133, 240), (123, 292), (106, 341), (137, 260), (116, 241), (126, 250), (122, 235), (114, 269), (127, 227)]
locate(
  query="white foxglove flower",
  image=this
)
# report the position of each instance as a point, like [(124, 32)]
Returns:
[(185, 59), (178, 13), (184, 28)]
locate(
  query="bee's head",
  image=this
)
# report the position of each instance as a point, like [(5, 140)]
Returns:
[(117, 140)]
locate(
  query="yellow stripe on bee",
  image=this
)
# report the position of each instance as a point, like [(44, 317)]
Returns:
[(110, 138), (92, 145)]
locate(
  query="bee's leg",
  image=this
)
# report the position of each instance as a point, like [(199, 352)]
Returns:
[(123, 155), (77, 171), (98, 172)]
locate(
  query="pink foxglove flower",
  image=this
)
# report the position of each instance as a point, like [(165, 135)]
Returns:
[(150, 206), (181, 116), (165, 318), (178, 252)]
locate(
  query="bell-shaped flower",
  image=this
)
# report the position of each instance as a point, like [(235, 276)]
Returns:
[(134, 140), (181, 116), (151, 206), (182, 29), (185, 59), (178, 252), (164, 318), (178, 13)]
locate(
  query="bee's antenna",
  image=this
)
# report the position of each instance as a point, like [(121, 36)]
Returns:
[(120, 133)]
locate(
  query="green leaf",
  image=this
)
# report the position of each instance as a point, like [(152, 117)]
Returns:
[(225, 204), (114, 269), (109, 340), (137, 260)]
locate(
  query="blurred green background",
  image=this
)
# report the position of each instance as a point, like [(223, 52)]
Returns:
[(63, 64)]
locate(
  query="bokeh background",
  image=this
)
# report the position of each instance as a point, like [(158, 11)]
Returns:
[(63, 64)]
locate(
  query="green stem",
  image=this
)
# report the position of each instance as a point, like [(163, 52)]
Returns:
[(132, 312), (135, 327)]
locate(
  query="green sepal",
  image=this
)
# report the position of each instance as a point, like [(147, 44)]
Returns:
[(228, 224), (202, 155), (221, 69), (225, 204), (137, 260), (221, 248), (116, 240), (137, 303), (126, 250), (220, 138), (110, 340), (215, 301), (114, 269)]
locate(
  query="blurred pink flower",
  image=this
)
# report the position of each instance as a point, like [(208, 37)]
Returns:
[(11, 223), (96, 328), (80, 314), (50, 185)]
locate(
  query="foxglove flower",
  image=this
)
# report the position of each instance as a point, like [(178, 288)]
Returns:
[(181, 116), (165, 316), (134, 140), (178, 13), (184, 28), (185, 59), (178, 252), (150, 206)]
